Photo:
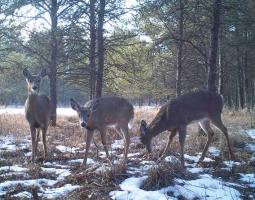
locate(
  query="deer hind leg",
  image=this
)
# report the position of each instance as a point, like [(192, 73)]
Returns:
[(127, 142), (170, 139), (37, 140), (218, 123), (182, 137), (205, 126), (33, 137), (88, 142)]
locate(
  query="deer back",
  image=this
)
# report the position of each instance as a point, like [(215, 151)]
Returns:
[(194, 106), (110, 111)]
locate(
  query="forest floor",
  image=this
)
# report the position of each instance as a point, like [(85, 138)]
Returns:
[(63, 176)]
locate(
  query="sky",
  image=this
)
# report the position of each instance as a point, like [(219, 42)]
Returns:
[(25, 15)]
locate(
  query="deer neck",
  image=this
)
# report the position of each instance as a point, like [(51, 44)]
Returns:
[(32, 97), (156, 127)]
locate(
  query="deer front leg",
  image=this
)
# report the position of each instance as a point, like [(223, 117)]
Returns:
[(127, 142), (170, 139), (37, 140), (44, 131), (88, 142), (33, 137), (182, 137)]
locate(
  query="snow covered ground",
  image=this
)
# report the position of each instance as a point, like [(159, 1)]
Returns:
[(65, 111), (52, 185), (20, 110)]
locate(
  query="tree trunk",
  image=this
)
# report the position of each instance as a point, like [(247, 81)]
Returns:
[(220, 91), (100, 49), (246, 80), (92, 48), (180, 52), (212, 77), (53, 63), (240, 79), (236, 96)]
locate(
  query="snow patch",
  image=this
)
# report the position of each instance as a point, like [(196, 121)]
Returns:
[(14, 168), (214, 151), (66, 149), (250, 147), (195, 170), (172, 159), (251, 133), (231, 163), (80, 161), (24, 194), (249, 179), (118, 144), (196, 158), (54, 193), (205, 187), (4, 186), (62, 173)]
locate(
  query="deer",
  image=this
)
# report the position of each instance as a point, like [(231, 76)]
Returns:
[(101, 113), (37, 110), (205, 107)]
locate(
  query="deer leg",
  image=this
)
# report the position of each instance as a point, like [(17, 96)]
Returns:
[(44, 131), (103, 138), (33, 137), (218, 123), (88, 142), (182, 136), (205, 126), (170, 139), (37, 140), (127, 142)]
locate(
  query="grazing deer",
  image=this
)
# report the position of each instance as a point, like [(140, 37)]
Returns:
[(174, 116), (105, 112), (37, 110)]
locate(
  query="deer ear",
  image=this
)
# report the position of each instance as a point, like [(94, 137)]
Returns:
[(94, 105), (74, 105), (26, 73), (44, 72)]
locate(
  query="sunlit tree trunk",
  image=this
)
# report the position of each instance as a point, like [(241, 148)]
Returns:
[(53, 61), (92, 48)]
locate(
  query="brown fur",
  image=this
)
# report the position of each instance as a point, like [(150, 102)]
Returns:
[(203, 106), (100, 113), (37, 111)]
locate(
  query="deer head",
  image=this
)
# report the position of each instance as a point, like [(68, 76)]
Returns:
[(34, 81), (84, 113), (144, 136)]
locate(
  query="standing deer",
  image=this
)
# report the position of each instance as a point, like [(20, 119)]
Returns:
[(174, 116), (105, 112), (37, 110)]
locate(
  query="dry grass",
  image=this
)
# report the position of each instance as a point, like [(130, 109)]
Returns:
[(97, 186), (163, 175), (68, 133)]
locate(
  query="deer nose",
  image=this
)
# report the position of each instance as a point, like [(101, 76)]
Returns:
[(34, 87), (83, 124)]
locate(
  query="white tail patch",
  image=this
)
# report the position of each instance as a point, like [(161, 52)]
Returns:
[(131, 123)]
